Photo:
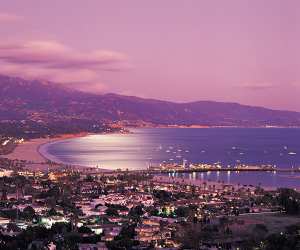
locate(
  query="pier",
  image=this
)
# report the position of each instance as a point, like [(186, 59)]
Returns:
[(169, 171)]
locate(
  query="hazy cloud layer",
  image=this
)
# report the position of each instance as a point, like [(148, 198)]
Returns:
[(54, 61), (256, 86)]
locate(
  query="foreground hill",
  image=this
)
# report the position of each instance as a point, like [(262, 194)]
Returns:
[(42, 101)]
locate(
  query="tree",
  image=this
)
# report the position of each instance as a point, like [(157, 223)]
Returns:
[(13, 227), (290, 200), (193, 235), (183, 211), (61, 228), (28, 213), (136, 211), (162, 195), (53, 212), (125, 240), (85, 230), (153, 211), (111, 211)]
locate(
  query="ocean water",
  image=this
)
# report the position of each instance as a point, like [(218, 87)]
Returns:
[(225, 146)]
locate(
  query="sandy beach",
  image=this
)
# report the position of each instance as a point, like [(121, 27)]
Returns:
[(29, 151)]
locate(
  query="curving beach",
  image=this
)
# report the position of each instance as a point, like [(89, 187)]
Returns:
[(29, 151)]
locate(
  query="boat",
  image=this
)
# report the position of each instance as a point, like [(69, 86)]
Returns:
[(292, 153)]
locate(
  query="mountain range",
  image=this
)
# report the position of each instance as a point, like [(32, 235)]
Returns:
[(44, 101)]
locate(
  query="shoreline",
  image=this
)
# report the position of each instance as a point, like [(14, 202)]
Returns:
[(56, 139), (199, 182), (29, 151)]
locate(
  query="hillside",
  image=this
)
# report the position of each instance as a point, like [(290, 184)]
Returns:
[(42, 101)]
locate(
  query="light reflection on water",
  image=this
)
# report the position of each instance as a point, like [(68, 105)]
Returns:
[(266, 179), (153, 146)]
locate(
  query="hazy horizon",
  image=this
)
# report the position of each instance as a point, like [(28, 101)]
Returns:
[(239, 51)]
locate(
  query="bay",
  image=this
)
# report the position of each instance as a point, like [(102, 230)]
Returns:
[(151, 146)]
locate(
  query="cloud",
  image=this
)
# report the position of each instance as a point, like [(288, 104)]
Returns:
[(56, 55), (9, 17), (257, 86), (54, 61)]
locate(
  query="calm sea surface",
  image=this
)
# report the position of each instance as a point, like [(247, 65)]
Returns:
[(226, 146)]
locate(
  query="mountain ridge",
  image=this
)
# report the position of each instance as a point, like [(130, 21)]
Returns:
[(24, 99)]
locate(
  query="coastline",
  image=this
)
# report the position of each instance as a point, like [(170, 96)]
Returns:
[(29, 151), (37, 159)]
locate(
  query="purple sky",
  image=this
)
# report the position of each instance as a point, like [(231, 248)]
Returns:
[(234, 50)]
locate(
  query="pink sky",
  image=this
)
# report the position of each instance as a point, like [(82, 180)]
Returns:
[(234, 50)]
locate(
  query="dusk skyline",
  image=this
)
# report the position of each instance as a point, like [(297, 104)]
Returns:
[(155, 125), (238, 51)]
